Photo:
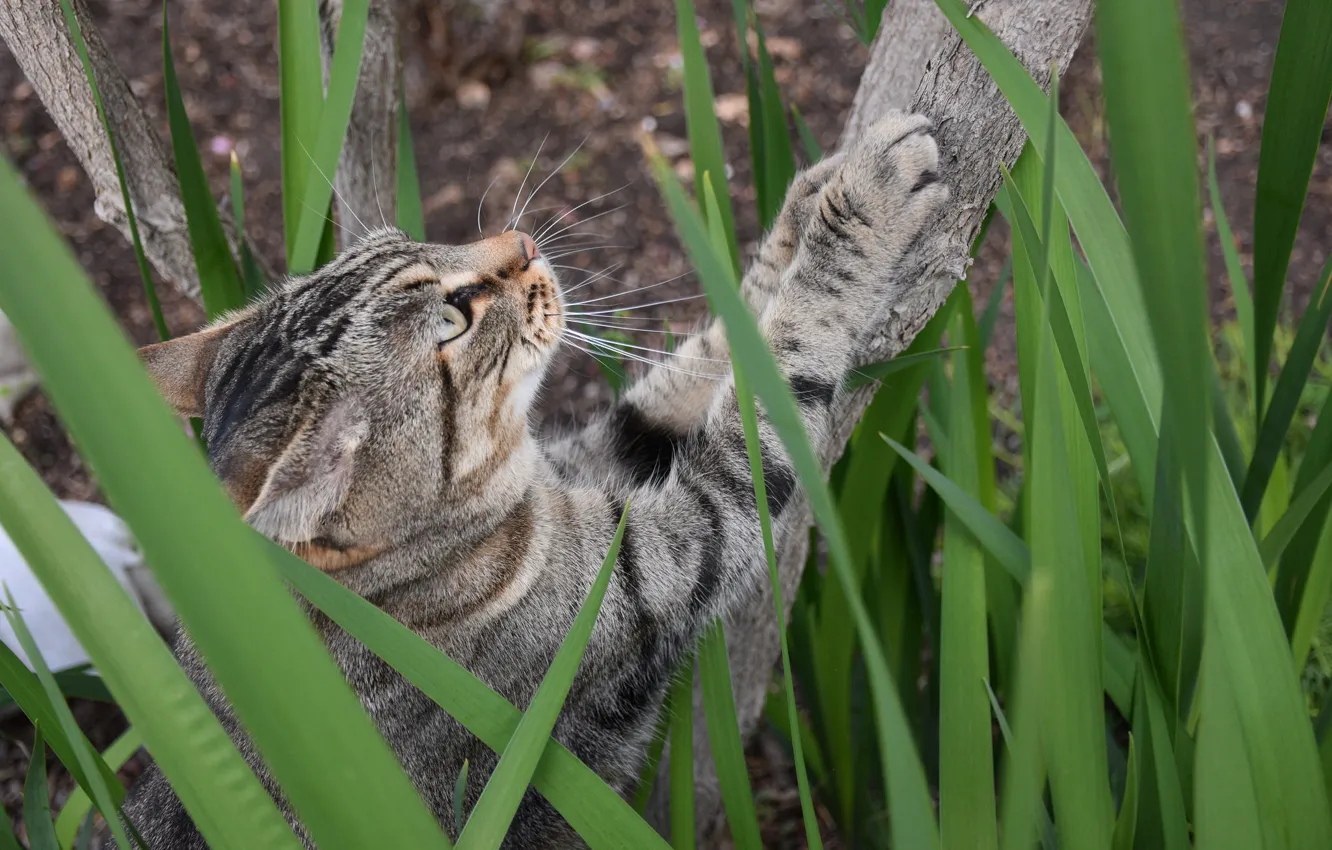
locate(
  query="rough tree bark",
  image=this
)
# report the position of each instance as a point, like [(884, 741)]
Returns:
[(918, 63)]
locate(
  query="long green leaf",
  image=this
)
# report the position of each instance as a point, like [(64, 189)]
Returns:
[(37, 799), (499, 800), (705, 144), (254, 279), (273, 668), (81, 47), (410, 215), (1300, 509), (1286, 396), (27, 692), (998, 540), (79, 805), (333, 120), (301, 80), (883, 369), (1302, 581), (87, 759), (778, 161), (8, 841), (1239, 284), (966, 770), (680, 703), (596, 812), (909, 800), (1297, 100), (728, 752), (1073, 726), (219, 283)]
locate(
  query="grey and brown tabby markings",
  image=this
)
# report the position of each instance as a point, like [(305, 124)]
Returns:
[(373, 417)]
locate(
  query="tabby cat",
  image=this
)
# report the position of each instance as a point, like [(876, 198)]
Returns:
[(373, 418)]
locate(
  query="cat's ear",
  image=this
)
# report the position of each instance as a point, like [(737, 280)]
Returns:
[(311, 477), (180, 366)]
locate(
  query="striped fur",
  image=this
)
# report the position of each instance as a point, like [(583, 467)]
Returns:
[(408, 470)]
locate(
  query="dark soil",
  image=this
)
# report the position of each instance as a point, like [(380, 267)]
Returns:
[(595, 74)]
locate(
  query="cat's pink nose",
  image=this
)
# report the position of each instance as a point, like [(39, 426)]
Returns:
[(529, 246)]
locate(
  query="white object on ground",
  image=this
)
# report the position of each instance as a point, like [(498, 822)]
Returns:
[(109, 535), (16, 376)]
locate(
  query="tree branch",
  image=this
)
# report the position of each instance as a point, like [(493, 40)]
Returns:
[(918, 62), (35, 32)]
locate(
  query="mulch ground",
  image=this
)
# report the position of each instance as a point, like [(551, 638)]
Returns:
[(589, 73)]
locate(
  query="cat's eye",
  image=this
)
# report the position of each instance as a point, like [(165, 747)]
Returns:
[(452, 323)]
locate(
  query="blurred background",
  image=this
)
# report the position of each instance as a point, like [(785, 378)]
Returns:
[(497, 86)]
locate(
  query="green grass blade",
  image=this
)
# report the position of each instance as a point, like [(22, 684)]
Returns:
[(508, 783), (778, 161), (252, 277), (991, 315), (908, 795), (880, 371), (228, 804), (1297, 101), (728, 752), (735, 787), (813, 150), (79, 805), (680, 704), (1073, 726), (1293, 519), (333, 120), (705, 144), (219, 283), (301, 80), (28, 694), (37, 799), (1005, 546), (1048, 840), (1149, 107), (1313, 603), (966, 771), (1296, 578), (8, 841), (1161, 820), (647, 778), (1070, 354), (276, 673), (1286, 396), (460, 795), (44, 835), (1025, 768), (595, 811), (410, 214), (1239, 284), (154, 305)]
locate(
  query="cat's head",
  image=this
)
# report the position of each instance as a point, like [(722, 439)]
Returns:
[(353, 406)]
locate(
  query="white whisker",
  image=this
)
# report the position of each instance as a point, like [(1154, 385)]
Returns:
[(637, 306), (658, 364), (481, 203), (584, 221), (630, 329), (545, 228), (557, 170), (523, 185), (648, 349), (630, 291), (336, 194)]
